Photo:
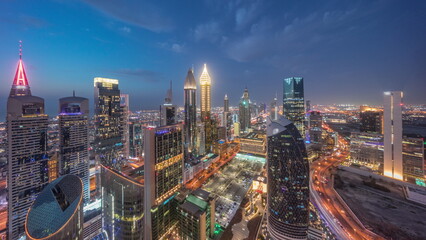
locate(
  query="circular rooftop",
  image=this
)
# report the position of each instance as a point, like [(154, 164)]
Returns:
[(54, 206)]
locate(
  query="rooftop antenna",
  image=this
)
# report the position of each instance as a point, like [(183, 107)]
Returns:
[(20, 49)]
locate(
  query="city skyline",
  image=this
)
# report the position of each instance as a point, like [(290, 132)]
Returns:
[(339, 49)]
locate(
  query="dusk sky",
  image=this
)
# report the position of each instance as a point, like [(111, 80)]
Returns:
[(347, 51)]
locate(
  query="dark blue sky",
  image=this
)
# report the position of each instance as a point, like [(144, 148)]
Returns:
[(347, 51)]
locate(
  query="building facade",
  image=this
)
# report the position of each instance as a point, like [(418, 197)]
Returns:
[(168, 110), (74, 140), (108, 143), (294, 102), (371, 121), (124, 123), (315, 127), (288, 181), (27, 154), (393, 134), (190, 111), (57, 213), (163, 178)]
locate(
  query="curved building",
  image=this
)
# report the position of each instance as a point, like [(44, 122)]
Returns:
[(288, 181), (57, 213)]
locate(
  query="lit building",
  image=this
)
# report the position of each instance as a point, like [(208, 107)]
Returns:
[(244, 113), (196, 215), (163, 178), (413, 159), (236, 129), (123, 201), (253, 143), (108, 135), (168, 110), (393, 134), (308, 105), (226, 120), (371, 121), (288, 181), (366, 149), (200, 145), (135, 139), (315, 126), (205, 94), (273, 111), (226, 104), (26, 151), (73, 139), (57, 212), (124, 123), (294, 102), (190, 110)]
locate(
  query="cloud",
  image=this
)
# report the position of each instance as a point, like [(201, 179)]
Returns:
[(174, 47), (208, 31), (140, 74), (26, 21), (246, 14), (140, 13), (125, 29)]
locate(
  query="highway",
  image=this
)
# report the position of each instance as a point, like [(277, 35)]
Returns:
[(343, 223)]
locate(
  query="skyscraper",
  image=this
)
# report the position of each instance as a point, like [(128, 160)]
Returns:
[(294, 102), (190, 108), (163, 178), (226, 121), (73, 139), (26, 151), (124, 123), (315, 126), (57, 213), (288, 181), (205, 95), (108, 135), (168, 110), (226, 103), (274, 109), (371, 121), (244, 114), (393, 135)]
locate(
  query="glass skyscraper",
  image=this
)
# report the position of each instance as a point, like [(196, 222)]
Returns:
[(294, 102), (190, 110), (288, 181), (244, 113)]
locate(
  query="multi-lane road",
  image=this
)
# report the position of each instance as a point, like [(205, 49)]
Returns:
[(341, 220)]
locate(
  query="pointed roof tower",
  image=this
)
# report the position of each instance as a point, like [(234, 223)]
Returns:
[(20, 86), (169, 95), (205, 77), (190, 80)]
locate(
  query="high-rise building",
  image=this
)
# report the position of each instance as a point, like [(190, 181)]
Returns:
[(371, 121), (196, 215), (294, 102), (163, 178), (108, 134), (57, 213), (273, 111), (236, 129), (205, 94), (393, 135), (315, 126), (124, 123), (168, 110), (201, 139), (244, 113), (26, 151), (73, 139), (190, 110), (226, 103), (308, 106), (288, 181), (135, 139)]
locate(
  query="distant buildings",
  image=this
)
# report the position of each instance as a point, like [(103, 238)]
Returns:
[(294, 102), (244, 113), (190, 110), (393, 134), (163, 178), (288, 181), (273, 111), (26, 151), (108, 134), (74, 140), (57, 213), (168, 110), (371, 121)]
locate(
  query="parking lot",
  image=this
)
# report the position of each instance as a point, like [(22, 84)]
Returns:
[(231, 184)]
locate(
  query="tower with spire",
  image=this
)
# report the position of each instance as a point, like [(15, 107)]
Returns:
[(205, 84), (168, 110), (28, 170), (190, 108)]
